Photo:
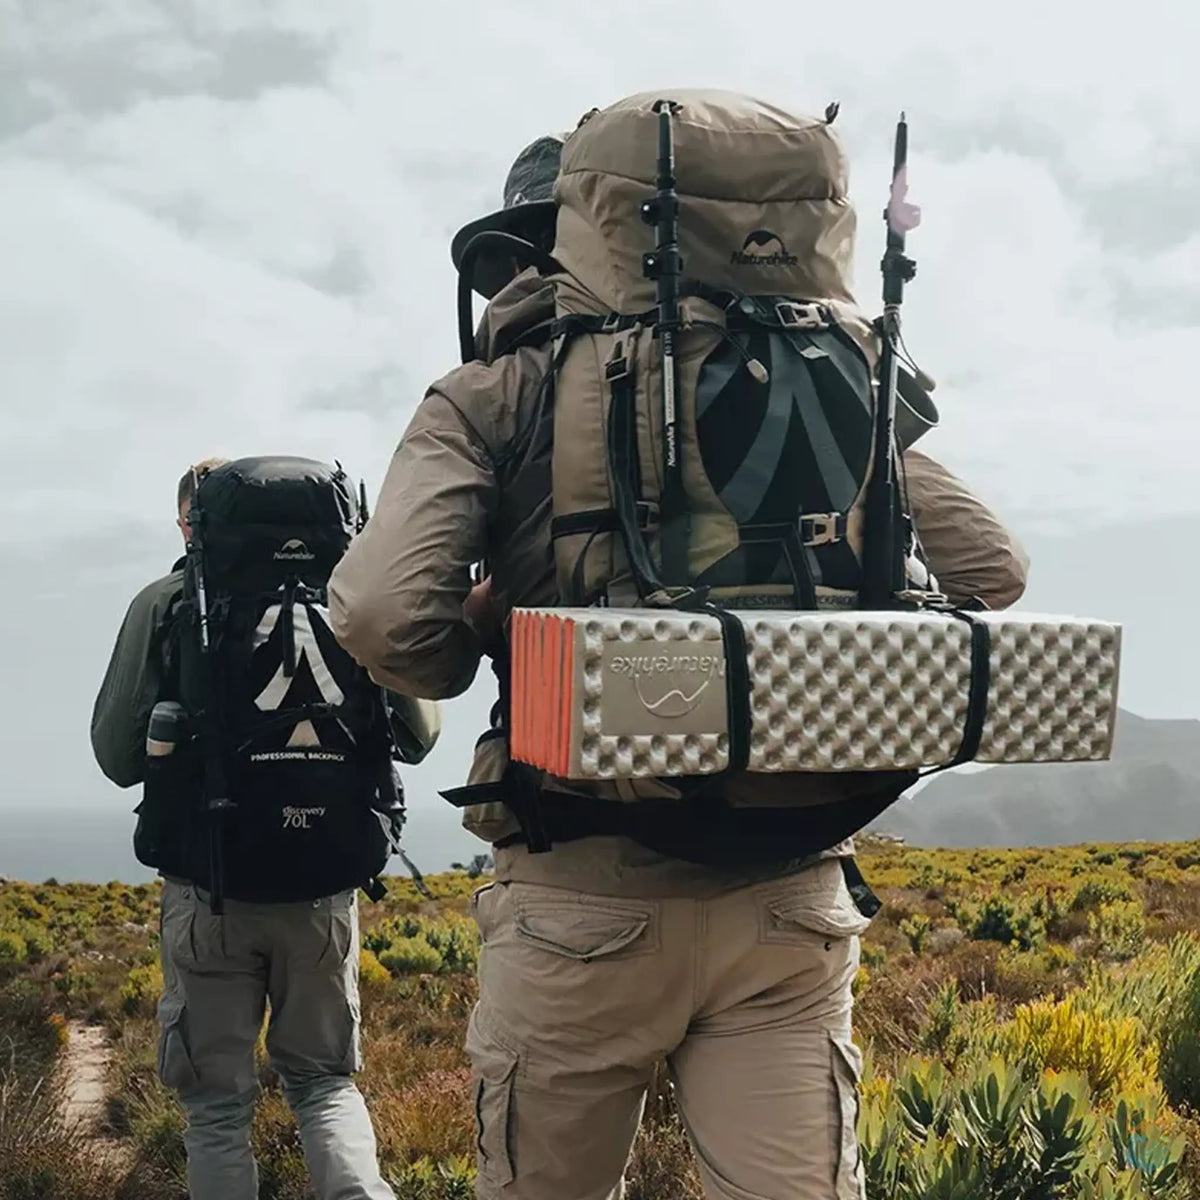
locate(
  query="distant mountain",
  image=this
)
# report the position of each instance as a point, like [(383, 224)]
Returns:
[(1149, 790)]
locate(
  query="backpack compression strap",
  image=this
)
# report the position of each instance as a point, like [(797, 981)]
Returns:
[(519, 788)]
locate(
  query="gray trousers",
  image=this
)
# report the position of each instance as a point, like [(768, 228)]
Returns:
[(219, 973)]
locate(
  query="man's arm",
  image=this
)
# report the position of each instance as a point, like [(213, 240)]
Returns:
[(131, 686), (967, 547), (396, 597)]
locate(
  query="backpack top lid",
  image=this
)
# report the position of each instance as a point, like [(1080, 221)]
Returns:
[(264, 520), (278, 490), (763, 203)]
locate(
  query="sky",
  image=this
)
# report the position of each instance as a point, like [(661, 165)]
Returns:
[(224, 229)]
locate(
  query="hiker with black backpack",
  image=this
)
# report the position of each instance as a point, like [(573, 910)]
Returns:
[(270, 795), (711, 924)]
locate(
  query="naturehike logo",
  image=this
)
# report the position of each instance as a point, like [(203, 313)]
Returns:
[(298, 818), (763, 248), (648, 672), (294, 550)]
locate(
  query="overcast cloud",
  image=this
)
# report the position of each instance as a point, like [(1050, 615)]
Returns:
[(224, 229)]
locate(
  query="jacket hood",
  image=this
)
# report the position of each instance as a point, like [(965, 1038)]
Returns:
[(515, 312)]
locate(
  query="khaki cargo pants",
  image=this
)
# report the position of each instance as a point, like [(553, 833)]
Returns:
[(218, 974), (747, 997)]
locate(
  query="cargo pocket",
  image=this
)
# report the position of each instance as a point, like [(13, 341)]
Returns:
[(817, 909), (849, 1180), (587, 931), (351, 1060), (495, 1069), (177, 925), (343, 928), (175, 1068), (480, 899)]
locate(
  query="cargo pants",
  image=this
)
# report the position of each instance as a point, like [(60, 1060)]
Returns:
[(218, 974), (747, 996)]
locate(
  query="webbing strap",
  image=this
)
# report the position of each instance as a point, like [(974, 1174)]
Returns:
[(977, 695), (978, 690), (802, 581), (476, 793), (287, 627), (622, 466), (815, 529), (864, 899), (737, 688), (573, 323), (599, 520)]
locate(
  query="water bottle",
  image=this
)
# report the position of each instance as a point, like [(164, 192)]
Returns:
[(167, 720)]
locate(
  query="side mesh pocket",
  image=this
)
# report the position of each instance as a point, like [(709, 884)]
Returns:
[(166, 829)]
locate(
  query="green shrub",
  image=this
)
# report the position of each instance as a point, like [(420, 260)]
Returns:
[(457, 942), (916, 929), (140, 992), (1092, 893), (449, 943), (1003, 1133), (424, 1179), (941, 1017), (1147, 987), (29, 909), (371, 972), (1062, 1036), (39, 943), (13, 949), (1145, 1140), (873, 957), (1179, 1044), (1019, 923), (1118, 929), (411, 956)]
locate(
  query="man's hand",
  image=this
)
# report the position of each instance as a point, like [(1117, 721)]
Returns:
[(479, 611)]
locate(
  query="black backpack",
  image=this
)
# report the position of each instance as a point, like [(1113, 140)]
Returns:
[(282, 787)]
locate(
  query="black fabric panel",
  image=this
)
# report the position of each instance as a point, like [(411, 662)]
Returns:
[(731, 420)]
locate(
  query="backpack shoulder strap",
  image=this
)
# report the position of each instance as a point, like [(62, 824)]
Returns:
[(164, 646), (535, 336)]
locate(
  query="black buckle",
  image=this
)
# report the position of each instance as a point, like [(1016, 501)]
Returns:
[(647, 514)]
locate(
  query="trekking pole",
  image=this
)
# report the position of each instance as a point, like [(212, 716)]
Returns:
[(664, 265), (883, 558), (215, 786), (363, 514)]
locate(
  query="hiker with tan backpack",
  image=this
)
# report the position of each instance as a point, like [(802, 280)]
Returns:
[(709, 921)]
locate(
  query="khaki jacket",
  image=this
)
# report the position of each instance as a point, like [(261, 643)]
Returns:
[(448, 501), (470, 480)]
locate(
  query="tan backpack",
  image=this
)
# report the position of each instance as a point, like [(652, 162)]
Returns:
[(751, 492), (754, 492)]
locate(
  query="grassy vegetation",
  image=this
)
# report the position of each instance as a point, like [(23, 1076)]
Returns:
[(1030, 1019)]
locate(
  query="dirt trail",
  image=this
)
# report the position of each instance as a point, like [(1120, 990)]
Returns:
[(86, 1062)]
